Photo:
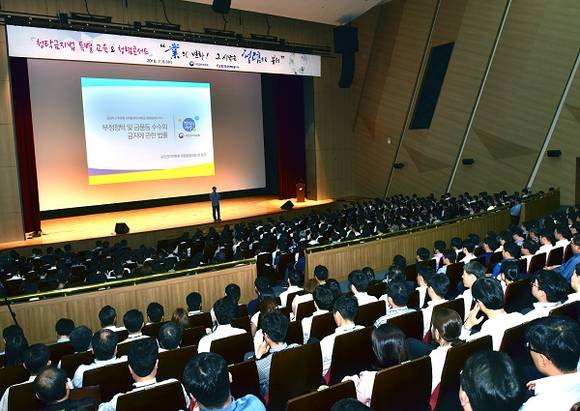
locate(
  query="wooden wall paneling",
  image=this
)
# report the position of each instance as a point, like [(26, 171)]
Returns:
[(394, 61), (37, 318), (532, 62), (429, 155), (533, 210)]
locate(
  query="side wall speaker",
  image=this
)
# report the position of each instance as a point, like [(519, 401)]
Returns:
[(346, 43), (221, 6), (288, 205), (468, 161), (398, 165), (121, 228), (554, 153)]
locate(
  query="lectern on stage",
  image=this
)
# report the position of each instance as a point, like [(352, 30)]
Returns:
[(300, 192)]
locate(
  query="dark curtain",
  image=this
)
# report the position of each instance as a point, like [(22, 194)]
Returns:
[(290, 133), (25, 144)]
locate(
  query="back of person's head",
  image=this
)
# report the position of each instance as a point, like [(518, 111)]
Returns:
[(489, 382), (531, 246), (423, 253), (225, 310), (321, 273), (469, 245), (142, 357), (426, 272), (334, 286), (447, 323), (262, 285), (349, 404), (553, 284), (399, 292), (488, 291), (155, 312), (170, 336), (456, 243), (450, 256), (193, 301), (233, 292), (439, 245), (295, 277), (323, 297), (50, 385), (180, 318), (104, 344), (16, 344), (36, 358), (389, 347), (359, 280), (513, 250), (347, 306), (275, 326), (564, 231), (491, 242), (11, 331), (510, 270), (133, 320), (107, 316), (556, 338), (369, 272), (475, 268), (64, 326), (400, 261), (80, 338), (206, 378), (439, 283)]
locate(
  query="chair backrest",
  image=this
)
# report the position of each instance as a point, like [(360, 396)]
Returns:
[(555, 256), (377, 289), (411, 324), (352, 353), (522, 265), (191, 336), (261, 260), (513, 342), (123, 348), (22, 397), (571, 310), (518, 296), (294, 372), (200, 320), (295, 335), (93, 391), (454, 273), (232, 348), (405, 387), (12, 375), (290, 297), (448, 399), (411, 272), (537, 263), (304, 310), (168, 396), (71, 362), (323, 400), (172, 363), (112, 379), (567, 253), (242, 310), (414, 299), (285, 260), (493, 260), (59, 350), (245, 379), (369, 313), (122, 335), (322, 325), (456, 305), (152, 330), (243, 323)]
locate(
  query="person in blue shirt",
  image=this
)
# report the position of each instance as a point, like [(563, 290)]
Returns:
[(214, 196), (567, 268), (510, 252)]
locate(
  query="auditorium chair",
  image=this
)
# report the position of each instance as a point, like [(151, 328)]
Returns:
[(294, 372), (411, 324), (172, 363), (405, 387), (69, 363), (493, 260), (414, 300), (245, 379), (567, 253), (304, 310), (295, 334), (454, 273), (537, 262), (324, 399), (522, 265), (555, 256), (571, 310), (513, 344), (352, 353), (12, 375), (457, 305), (112, 379), (152, 330), (242, 310), (518, 296), (123, 348), (200, 320), (261, 260), (121, 335), (191, 336), (448, 398), (162, 397), (58, 350), (243, 323), (22, 397), (377, 289), (283, 261), (369, 313), (322, 325), (233, 348), (290, 297), (411, 272)]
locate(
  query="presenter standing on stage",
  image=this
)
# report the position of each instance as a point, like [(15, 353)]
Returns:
[(214, 196)]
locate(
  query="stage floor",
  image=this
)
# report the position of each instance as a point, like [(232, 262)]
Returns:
[(67, 229)]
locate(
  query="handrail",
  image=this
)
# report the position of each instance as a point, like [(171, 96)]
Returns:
[(128, 281)]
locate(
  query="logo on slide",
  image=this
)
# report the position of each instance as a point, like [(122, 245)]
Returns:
[(189, 124)]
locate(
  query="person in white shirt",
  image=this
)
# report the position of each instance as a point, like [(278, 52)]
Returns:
[(488, 293), (438, 287), (445, 331), (472, 271), (439, 247), (294, 286), (396, 300), (529, 249), (108, 318), (307, 296), (546, 242), (344, 311), (63, 328), (448, 258), (490, 381), (169, 336), (193, 301), (518, 236), (323, 299), (143, 360), (104, 347), (554, 345), (509, 272), (225, 311), (468, 249), (575, 284), (562, 235), (550, 289), (134, 322), (359, 284), (424, 274)]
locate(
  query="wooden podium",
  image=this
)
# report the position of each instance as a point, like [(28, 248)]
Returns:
[(300, 192)]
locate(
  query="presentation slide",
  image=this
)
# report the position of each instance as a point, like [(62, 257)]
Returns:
[(94, 124), (139, 130)]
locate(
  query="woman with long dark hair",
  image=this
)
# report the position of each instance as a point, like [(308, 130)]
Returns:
[(445, 331)]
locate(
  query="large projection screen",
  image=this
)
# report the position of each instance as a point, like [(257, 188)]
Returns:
[(61, 148)]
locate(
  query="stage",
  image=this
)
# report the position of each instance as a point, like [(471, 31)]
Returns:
[(149, 225)]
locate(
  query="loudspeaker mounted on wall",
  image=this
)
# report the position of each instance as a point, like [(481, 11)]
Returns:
[(468, 161), (398, 165), (221, 6), (346, 43), (554, 153), (121, 228), (288, 205)]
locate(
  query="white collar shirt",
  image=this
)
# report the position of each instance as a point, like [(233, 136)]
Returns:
[(307, 324), (540, 310), (80, 371), (327, 345), (556, 393), (222, 331)]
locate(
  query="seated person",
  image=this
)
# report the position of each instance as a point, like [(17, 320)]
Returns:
[(439, 247), (80, 339), (472, 271), (445, 331), (155, 313), (562, 235), (528, 250), (344, 311), (566, 269), (321, 274), (511, 252), (263, 289), (489, 382), (508, 273), (108, 318), (397, 297), (422, 254), (554, 344), (309, 287), (438, 287), (268, 305), (63, 328), (15, 344), (448, 258), (575, 284), (169, 337), (181, 318), (52, 387), (134, 322), (225, 311), (294, 285), (359, 284), (388, 344), (143, 360), (468, 250), (207, 382), (546, 241), (424, 275), (193, 301), (323, 300), (490, 244), (550, 290)]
